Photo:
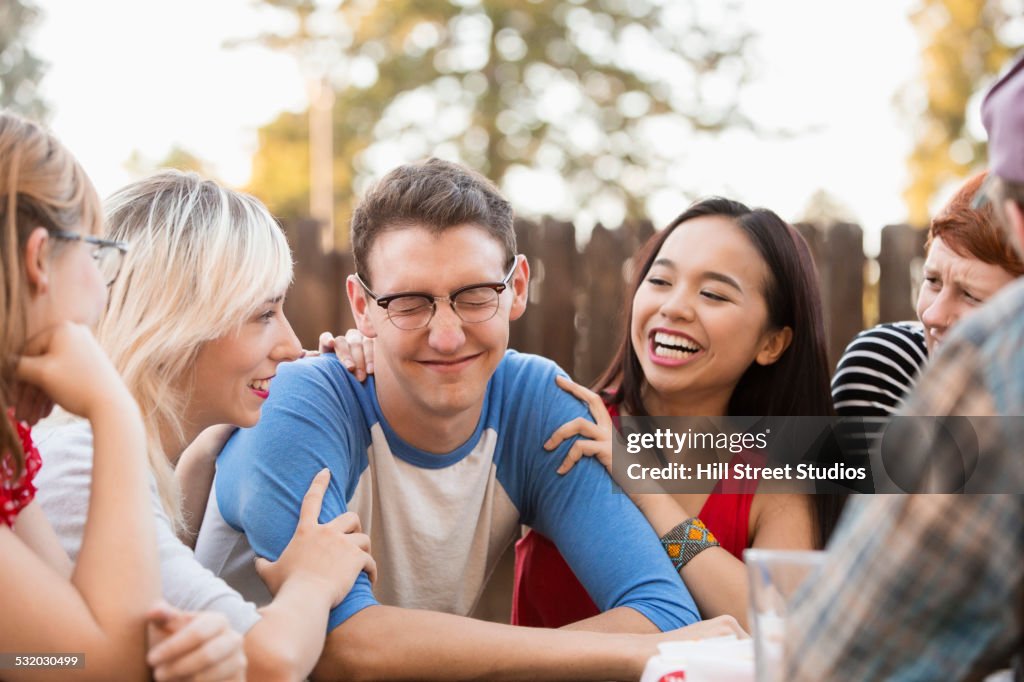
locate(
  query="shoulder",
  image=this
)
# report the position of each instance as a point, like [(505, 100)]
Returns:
[(312, 389), (891, 337), (525, 385), (533, 369)]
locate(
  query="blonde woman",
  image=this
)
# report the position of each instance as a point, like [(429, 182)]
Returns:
[(196, 329), (51, 291)]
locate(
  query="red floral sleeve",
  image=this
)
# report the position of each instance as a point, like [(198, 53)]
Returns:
[(15, 495)]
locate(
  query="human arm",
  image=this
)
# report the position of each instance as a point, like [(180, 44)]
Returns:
[(388, 643), (716, 579), (194, 473), (603, 537), (116, 577), (313, 574)]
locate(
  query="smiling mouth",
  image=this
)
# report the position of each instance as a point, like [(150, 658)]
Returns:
[(673, 346), (450, 365), (260, 387)]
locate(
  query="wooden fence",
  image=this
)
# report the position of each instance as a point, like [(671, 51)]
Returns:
[(576, 295)]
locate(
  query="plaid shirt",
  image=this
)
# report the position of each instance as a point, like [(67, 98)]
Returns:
[(931, 587)]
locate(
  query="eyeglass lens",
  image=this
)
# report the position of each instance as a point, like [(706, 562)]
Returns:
[(108, 259), (478, 304)]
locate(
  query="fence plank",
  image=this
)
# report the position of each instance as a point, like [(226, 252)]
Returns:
[(558, 304), (603, 289), (844, 286), (902, 248)]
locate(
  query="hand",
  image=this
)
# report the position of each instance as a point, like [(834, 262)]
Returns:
[(68, 365), (330, 555), (600, 434), (193, 646), (719, 626), (30, 403), (354, 350)]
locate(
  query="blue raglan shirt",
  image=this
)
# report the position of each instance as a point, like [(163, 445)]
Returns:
[(438, 523)]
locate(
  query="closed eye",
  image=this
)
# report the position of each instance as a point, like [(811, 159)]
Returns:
[(658, 282), (714, 297)]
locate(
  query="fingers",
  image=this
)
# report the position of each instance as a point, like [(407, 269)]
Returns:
[(593, 400), (202, 628), (585, 448), (360, 540), (577, 427), (355, 343), (30, 369), (262, 565), (314, 498), (229, 669), (214, 651), (371, 568), (347, 523), (368, 353), (163, 615), (326, 342)]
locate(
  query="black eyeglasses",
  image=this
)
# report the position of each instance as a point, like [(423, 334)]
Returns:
[(108, 253), (415, 309)]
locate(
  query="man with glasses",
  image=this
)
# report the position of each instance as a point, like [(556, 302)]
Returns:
[(441, 455), (931, 587)]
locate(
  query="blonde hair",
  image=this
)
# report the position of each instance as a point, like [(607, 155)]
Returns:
[(41, 185), (201, 260)]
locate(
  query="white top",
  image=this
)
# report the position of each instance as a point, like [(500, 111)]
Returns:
[(64, 484)]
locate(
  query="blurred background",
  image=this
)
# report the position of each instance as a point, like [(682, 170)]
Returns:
[(600, 119)]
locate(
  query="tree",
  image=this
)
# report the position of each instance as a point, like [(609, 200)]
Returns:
[(593, 98), (966, 43), (20, 70), (177, 157)]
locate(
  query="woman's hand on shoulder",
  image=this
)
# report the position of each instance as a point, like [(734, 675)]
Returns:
[(329, 555), (194, 646), (353, 349), (595, 437)]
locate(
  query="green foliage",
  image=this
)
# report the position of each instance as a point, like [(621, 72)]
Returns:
[(596, 93), (20, 70), (964, 48)]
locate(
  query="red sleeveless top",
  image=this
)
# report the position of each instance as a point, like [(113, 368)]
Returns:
[(546, 592), (15, 495)]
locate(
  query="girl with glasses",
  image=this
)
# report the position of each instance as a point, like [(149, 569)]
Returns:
[(196, 328), (90, 615)]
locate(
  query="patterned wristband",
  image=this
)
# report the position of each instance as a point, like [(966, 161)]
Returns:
[(687, 540)]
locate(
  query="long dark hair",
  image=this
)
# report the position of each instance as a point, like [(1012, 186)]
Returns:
[(797, 384)]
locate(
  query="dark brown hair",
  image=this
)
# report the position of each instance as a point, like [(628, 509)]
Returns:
[(434, 195), (974, 233), (797, 384)]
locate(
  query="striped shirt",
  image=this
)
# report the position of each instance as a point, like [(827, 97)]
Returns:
[(878, 369)]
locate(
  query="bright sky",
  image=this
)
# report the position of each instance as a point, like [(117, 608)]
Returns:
[(131, 75)]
